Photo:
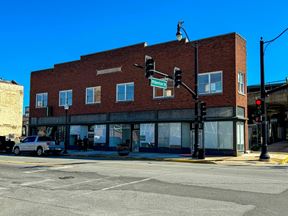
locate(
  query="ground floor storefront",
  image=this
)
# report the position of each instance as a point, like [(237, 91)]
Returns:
[(221, 136)]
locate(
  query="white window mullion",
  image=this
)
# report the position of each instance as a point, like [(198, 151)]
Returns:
[(209, 83), (125, 92)]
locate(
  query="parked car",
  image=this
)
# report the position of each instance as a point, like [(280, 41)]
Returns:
[(37, 144), (6, 145)]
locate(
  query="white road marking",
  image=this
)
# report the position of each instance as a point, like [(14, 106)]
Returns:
[(77, 183), (124, 184), (36, 182), (2, 188), (61, 167), (50, 168), (34, 171)]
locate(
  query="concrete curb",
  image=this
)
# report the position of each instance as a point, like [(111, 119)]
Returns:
[(223, 161), (181, 160), (280, 161), (199, 161)]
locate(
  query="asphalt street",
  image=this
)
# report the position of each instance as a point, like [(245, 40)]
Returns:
[(63, 186)]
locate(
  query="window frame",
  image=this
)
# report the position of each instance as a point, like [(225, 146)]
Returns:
[(209, 82), (125, 84), (94, 102), (163, 97), (66, 91), (240, 84), (42, 95)]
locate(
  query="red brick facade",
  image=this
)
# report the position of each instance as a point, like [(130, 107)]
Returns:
[(223, 53), (226, 53)]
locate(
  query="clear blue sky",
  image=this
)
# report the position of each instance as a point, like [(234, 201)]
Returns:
[(37, 34)]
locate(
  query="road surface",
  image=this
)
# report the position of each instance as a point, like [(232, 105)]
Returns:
[(62, 186)]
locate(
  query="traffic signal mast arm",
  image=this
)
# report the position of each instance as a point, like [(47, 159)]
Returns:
[(172, 78)]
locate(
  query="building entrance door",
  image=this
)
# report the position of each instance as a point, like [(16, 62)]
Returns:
[(135, 138)]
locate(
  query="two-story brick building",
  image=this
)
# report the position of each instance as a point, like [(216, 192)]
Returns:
[(111, 102)]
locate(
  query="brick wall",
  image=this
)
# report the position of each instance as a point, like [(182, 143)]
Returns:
[(11, 105), (215, 54)]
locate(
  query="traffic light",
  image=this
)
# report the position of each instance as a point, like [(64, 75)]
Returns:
[(177, 77), (203, 110), (259, 104), (149, 66)]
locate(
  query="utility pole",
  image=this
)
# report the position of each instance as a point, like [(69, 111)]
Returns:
[(264, 156), (264, 136)]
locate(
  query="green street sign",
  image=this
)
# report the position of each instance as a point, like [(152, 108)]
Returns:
[(159, 83)]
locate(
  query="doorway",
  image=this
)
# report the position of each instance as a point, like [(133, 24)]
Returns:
[(135, 138)]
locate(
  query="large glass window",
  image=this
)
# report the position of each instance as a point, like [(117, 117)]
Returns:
[(119, 134), (169, 135), (125, 92), (209, 83), (41, 100), (241, 85), (93, 95), (164, 93), (147, 135), (99, 134), (240, 136), (186, 136), (65, 98), (219, 135)]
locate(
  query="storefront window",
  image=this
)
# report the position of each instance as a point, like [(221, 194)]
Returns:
[(240, 136), (219, 135), (99, 134), (77, 132), (169, 135), (119, 134), (186, 135), (147, 135)]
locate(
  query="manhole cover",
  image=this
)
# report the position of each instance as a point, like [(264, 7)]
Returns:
[(66, 177)]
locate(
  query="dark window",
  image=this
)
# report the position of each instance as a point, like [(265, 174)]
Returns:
[(43, 139), (29, 139)]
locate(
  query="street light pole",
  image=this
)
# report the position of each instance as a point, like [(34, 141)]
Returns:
[(196, 112), (196, 138), (66, 107)]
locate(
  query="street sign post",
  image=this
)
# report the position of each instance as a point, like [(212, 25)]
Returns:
[(159, 83)]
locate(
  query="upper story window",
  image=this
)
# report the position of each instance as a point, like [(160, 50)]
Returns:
[(93, 95), (210, 83), (65, 98), (164, 93), (125, 92), (241, 83), (41, 100)]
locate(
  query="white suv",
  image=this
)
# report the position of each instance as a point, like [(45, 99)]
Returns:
[(38, 144)]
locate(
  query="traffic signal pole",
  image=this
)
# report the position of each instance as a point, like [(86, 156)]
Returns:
[(196, 112), (264, 135)]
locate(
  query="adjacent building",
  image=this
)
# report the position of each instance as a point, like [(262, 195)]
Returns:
[(277, 113), (104, 97), (25, 122), (11, 103)]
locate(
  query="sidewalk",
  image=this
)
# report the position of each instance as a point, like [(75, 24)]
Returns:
[(276, 158)]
